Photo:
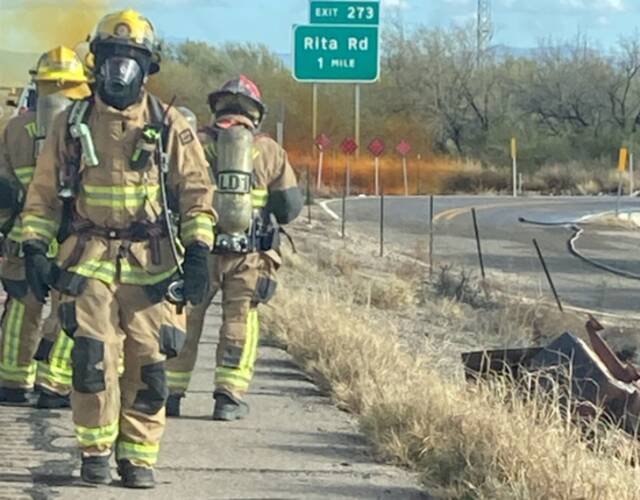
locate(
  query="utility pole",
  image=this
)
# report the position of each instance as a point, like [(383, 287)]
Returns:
[(485, 29)]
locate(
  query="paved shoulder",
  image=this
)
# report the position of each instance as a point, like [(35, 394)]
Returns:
[(294, 444)]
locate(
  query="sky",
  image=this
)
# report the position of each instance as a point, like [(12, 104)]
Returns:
[(517, 23), (26, 25)]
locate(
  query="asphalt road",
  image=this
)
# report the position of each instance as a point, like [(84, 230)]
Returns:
[(295, 444), (507, 243)]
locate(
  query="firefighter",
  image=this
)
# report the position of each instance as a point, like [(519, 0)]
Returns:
[(116, 169), (59, 77), (251, 205)]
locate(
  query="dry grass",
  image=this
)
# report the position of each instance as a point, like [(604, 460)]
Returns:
[(466, 442), (447, 175), (425, 175)]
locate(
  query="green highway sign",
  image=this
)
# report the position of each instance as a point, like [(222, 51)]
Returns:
[(355, 12), (335, 53)]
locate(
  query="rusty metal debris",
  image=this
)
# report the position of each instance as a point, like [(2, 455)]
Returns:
[(595, 379)]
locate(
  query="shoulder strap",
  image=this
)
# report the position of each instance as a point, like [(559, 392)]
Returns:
[(157, 110)]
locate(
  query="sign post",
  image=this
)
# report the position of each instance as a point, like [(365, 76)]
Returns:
[(632, 180), (514, 158), (622, 166), (322, 142), (403, 148), (341, 44), (348, 147), (314, 111), (376, 148)]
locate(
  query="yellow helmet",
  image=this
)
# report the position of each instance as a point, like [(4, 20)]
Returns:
[(60, 65), (60, 70), (128, 28)]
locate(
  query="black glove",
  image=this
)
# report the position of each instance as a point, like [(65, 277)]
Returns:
[(196, 273), (38, 268)]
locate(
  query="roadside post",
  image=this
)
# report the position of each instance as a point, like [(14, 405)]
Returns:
[(622, 166), (431, 204), (348, 146), (514, 159), (404, 148), (382, 222), (548, 275), (632, 181), (308, 181), (478, 245), (344, 204), (339, 45), (520, 183), (376, 148), (322, 142)]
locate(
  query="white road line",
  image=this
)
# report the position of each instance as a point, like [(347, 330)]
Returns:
[(329, 212)]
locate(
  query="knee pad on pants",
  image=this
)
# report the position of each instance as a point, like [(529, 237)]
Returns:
[(44, 350), (171, 341), (151, 400), (265, 290), (67, 316), (86, 354), (18, 289)]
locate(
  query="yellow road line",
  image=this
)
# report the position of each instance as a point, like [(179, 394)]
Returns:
[(452, 213)]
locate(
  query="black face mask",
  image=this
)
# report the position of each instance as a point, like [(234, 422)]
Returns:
[(121, 80)]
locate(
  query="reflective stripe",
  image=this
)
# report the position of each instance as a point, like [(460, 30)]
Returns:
[(253, 318), (99, 269), (106, 271), (9, 368), (41, 226), (198, 228), (97, 436), (32, 129), (259, 197), (143, 452), (134, 275), (58, 371), (120, 197), (12, 329), (229, 376), (25, 174), (178, 380), (240, 377), (255, 153), (24, 375)]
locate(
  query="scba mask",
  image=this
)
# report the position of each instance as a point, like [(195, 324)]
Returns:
[(121, 81)]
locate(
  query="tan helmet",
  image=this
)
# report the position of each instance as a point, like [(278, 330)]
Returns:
[(127, 28)]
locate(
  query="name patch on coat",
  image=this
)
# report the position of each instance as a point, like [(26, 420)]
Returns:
[(186, 136)]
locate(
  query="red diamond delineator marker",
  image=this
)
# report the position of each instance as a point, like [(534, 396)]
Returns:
[(376, 147), (322, 142), (349, 146), (403, 148)]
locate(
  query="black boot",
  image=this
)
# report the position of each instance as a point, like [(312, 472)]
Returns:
[(135, 476), (229, 408), (52, 401), (173, 405), (96, 469), (15, 396)]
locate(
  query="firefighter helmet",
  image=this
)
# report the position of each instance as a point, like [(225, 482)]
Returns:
[(60, 64), (60, 70), (239, 95), (127, 28)]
